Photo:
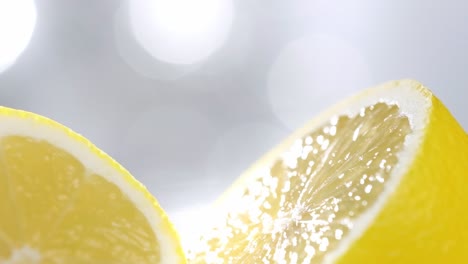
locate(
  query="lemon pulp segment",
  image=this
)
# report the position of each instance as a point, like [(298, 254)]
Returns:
[(306, 202), (52, 204)]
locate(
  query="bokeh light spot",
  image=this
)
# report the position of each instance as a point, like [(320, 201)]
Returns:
[(139, 59), (17, 21), (181, 31)]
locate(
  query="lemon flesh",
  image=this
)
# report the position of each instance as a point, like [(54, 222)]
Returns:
[(361, 186), (56, 208)]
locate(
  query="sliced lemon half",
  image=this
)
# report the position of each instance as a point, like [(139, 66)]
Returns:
[(62, 200), (380, 178)]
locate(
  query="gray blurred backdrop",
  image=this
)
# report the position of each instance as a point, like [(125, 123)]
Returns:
[(187, 94)]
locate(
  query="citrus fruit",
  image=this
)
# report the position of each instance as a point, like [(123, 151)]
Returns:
[(380, 178), (62, 200)]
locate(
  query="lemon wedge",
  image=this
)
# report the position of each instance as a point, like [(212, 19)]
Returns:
[(62, 200), (379, 178)]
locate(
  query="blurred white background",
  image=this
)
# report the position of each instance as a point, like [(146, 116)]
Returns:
[(187, 94)]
